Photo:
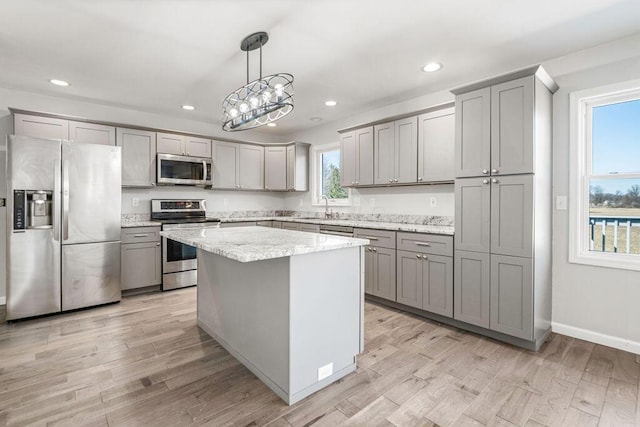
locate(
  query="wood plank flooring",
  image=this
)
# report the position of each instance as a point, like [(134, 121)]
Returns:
[(144, 362)]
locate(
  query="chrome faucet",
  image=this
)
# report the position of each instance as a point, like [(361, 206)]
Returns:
[(327, 213)]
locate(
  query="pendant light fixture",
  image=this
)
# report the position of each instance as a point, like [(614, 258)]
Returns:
[(260, 101)]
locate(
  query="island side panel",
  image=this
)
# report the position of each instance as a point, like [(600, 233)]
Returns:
[(245, 307), (326, 324)]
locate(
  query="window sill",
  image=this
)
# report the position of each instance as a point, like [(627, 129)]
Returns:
[(607, 260)]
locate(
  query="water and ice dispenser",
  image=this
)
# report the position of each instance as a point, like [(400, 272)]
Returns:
[(32, 209)]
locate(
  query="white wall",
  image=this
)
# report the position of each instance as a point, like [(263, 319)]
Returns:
[(594, 303)]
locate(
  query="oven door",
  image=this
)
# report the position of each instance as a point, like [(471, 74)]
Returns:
[(177, 256), (183, 170)]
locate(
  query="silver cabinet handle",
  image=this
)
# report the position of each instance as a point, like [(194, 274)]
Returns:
[(495, 181), (56, 200), (424, 257), (419, 178), (141, 235), (494, 170), (485, 171), (368, 237), (485, 181), (390, 179), (237, 185), (357, 182), (418, 256), (422, 244), (375, 249), (395, 180), (65, 200), (353, 183), (157, 244)]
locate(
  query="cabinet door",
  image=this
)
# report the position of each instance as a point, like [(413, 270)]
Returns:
[(364, 156), (436, 146), (385, 273), (473, 133), (512, 127), (251, 167), (512, 215), (40, 127), (409, 282), (473, 214), (275, 168), (291, 226), (512, 296), (471, 287), (406, 148), (92, 133), (141, 265), (384, 153), (138, 157), (310, 228), (197, 147), (369, 270), (437, 284), (348, 159), (291, 167), (225, 165), (170, 143)]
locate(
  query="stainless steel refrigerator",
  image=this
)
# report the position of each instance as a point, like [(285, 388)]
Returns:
[(63, 225)]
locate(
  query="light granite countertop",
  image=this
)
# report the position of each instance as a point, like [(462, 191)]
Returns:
[(247, 244), (392, 226)]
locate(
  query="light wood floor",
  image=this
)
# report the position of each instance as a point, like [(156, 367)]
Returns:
[(144, 362)]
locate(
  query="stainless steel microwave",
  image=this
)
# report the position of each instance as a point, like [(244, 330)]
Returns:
[(183, 170)]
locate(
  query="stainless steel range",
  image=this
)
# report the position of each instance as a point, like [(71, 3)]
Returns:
[(179, 261)]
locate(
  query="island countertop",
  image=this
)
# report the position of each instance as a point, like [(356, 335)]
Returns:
[(247, 244)]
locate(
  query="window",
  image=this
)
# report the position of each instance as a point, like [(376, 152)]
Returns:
[(605, 208), (326, 176)]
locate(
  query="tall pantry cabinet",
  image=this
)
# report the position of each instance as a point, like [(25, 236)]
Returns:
[(502, 260)]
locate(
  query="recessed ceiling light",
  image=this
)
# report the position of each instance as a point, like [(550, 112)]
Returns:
[(431, 67), (272, 125), (188, 107), (59, 82), (330, 103), (316, 119)]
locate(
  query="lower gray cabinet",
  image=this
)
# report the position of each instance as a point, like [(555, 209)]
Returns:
[(141, 257), (238, 224), (291, 226), (264, 223), (512, 296), (409, 284), (380, 272), (425, 281), (310, 228), (471, 287)]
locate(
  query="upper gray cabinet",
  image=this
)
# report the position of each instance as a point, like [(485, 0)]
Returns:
[(138, 157), (436, 145), (237, 166), (275, 167), (54, 128), (396, 152), (496, 129), (298, 166), (185, 145), (356, 148)]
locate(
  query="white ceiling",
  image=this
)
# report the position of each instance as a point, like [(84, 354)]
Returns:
[(155, 55)]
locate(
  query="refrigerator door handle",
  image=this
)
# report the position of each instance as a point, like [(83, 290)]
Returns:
[(65, 200), (56, 200)]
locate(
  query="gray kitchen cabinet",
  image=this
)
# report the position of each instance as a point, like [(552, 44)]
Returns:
[(396, 152), (295, 226), (383, 271), (436, 146), (409, 281), (356, 157), (471, 287), (184, 145), (138, 157), (298, 166), (503, 205), (238, 224), (141, 257), (225, 162), (251, 167), (268, 224), (512, 296), (437, 284), (275, 168), (310, 228), (40, 127), (369, 271), (92, 133), (276, 224), (473, 133)]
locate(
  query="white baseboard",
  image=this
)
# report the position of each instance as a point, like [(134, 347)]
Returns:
[(596, 337), (3, 300)]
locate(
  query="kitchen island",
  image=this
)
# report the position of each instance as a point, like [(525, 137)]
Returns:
[(289, 305)]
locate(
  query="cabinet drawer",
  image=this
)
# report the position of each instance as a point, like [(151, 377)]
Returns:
[(140, 235), (310, 228), (380, 238), (264, 223), (426, 243)]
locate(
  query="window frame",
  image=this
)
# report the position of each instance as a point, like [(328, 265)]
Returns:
[(316, 173), (580, 110)]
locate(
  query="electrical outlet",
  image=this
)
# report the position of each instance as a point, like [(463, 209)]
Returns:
[(434, 202), (135, 201), (325, 371), (225, 202), (561, 203)]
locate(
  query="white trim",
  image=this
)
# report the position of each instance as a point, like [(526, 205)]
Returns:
[(596, 337), (580, 104), (316, 152), (3, 300)]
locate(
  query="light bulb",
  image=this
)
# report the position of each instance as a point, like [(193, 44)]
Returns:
[(279, 89), (266, 96), (243, 107), (233, 112), (254, 101)]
